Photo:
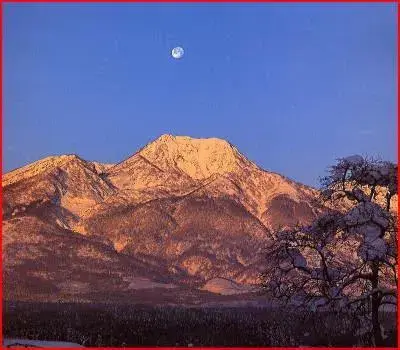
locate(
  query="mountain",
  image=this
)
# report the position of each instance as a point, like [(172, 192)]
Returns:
[(182, 216)]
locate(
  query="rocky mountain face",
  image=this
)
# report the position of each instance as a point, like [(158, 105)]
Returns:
[(180, 215)]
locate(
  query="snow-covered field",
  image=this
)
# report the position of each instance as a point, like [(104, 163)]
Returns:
[(18, 343)]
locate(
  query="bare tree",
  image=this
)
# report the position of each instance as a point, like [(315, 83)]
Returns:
[(347, 259)]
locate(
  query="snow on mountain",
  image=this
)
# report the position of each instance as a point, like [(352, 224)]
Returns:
[(196, 208)]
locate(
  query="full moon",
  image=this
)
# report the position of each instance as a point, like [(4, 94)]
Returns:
[(177, 52)]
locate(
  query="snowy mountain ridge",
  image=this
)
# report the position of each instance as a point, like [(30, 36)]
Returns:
[(181, 211)]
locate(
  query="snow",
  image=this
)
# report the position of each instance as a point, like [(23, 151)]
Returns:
[(373, 250), (225, 286), (138, 283), (367, 212), (360, 195), (381, 218), (378, 248), (353, 216), (371, 232), (372, 246), (299, 261), (39, 343), (353, 160), (298, 258)]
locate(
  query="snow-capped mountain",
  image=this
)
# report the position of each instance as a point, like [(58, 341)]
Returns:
[(180, 212)]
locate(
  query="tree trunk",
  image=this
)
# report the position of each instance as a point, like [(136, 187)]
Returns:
[(375, 303), (376, 326)]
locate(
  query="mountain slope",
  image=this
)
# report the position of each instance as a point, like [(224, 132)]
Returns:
[(66, 182), (45, 262), (190, 210)]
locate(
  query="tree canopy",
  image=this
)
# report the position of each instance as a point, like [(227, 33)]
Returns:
[(346, 260)]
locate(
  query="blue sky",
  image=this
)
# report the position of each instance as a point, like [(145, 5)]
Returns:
[(292, 86)]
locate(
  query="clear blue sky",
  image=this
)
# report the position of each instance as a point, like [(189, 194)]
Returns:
[(292, 86)]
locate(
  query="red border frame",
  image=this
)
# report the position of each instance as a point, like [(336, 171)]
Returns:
[(191, 1), (203, 1), (1, 170)]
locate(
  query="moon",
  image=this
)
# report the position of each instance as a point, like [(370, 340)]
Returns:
[(177, 52)]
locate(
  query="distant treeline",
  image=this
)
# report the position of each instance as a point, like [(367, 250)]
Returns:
[(105, 325)]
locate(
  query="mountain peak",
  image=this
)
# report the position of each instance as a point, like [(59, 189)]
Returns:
[(188, 139), (38, 167), (197, 157)]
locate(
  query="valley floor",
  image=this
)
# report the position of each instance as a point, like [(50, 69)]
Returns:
[(142, 325)]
